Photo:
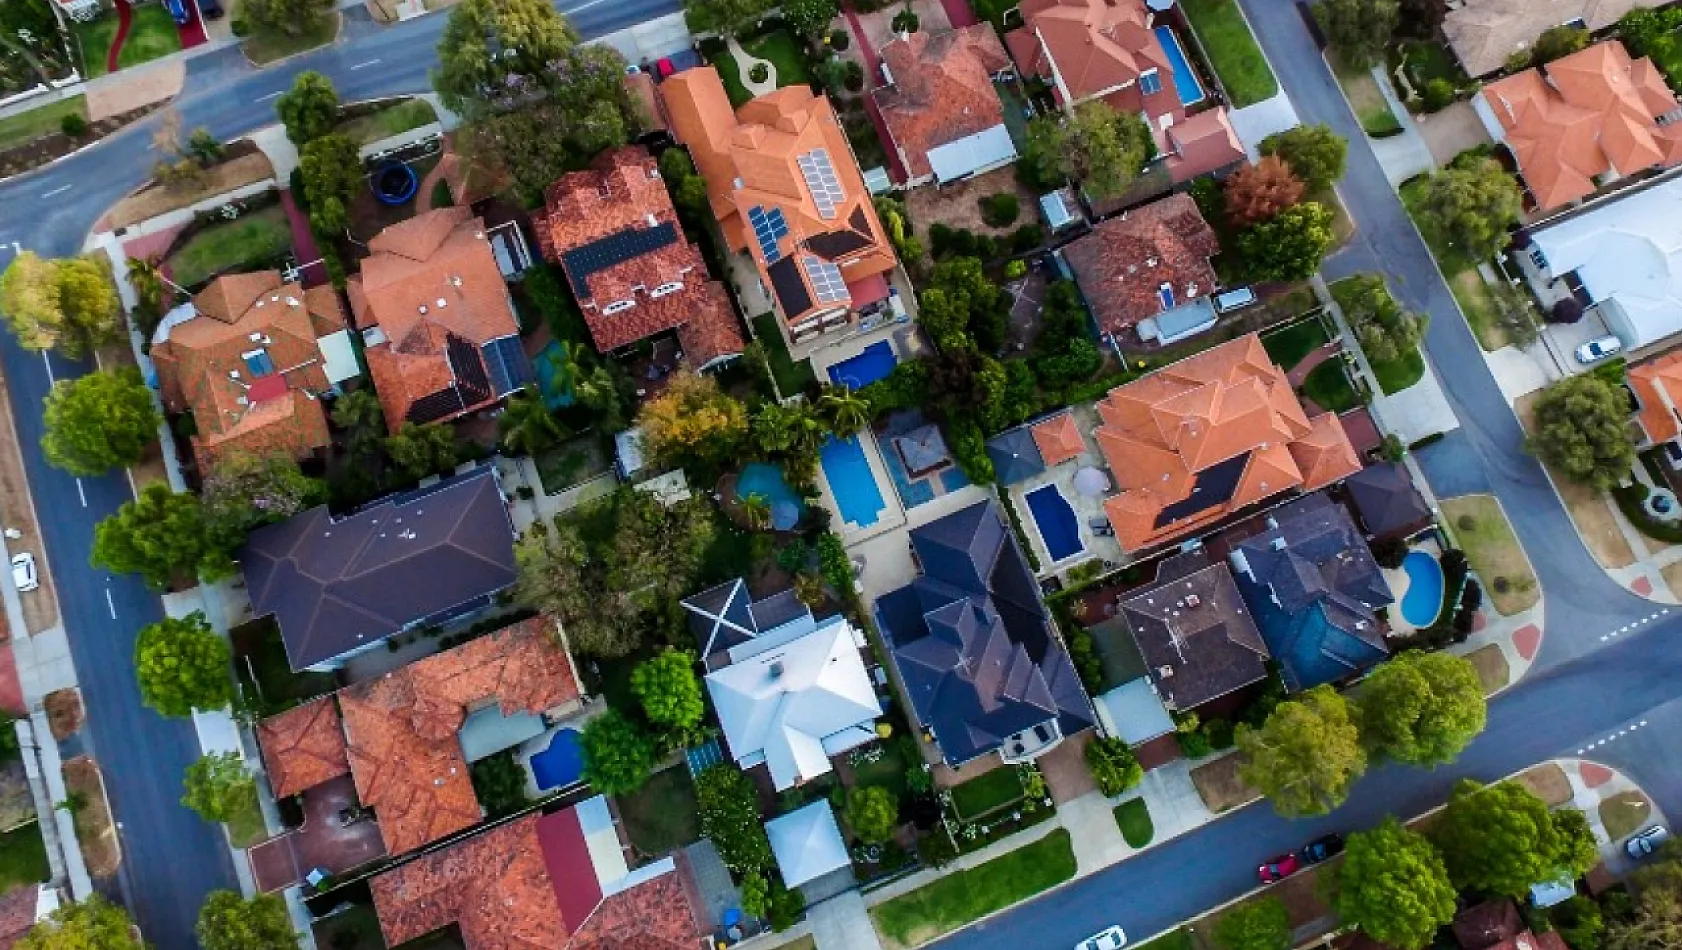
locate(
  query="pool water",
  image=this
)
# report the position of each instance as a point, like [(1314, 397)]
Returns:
[(851, 481), (1056, 521), (767, 481), (1424, 597), (875, 363), (561, 763), (1185, 78)]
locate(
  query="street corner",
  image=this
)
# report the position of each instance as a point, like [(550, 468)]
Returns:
[(1617, 808)]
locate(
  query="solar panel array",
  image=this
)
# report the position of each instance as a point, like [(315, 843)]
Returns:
[(768, 228), (821, 181), (826, 280)]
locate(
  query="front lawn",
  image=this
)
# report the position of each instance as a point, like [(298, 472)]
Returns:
[(45, 120), (259, 652), (246, 827), (792, 377), (1176, 939), (987, 792), (265, 48), (1400, 373), (1288, 345), (1328, 385), (785, 55), (1232, 50), (662, 815), (257, 238), (1366, 99), (1493, 551), (23, 857), (958, 899), (152, 34), (1472, 294), (394, 119), (1134, 818)]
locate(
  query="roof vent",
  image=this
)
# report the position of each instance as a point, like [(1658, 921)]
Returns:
[(292, 301), (775, 670), (422, 308), (1150, 262), (255, 337), (1192, 600), (1164, 672), (455, 281), (442, 303), (653, 221), (1278, 544), (233, 374)]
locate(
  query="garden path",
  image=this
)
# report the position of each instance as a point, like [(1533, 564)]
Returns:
[(745, 62), (125, 20)]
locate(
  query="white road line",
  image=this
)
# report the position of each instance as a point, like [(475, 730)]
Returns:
[(82, 492), (110, 603), (49, 364), (272, 95), (370, 62), (56, 191)]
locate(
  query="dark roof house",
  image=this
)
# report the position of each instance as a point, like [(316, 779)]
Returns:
[(1386, 500), (727, 616), (1313, 587), (974, 646), (337, 585), (1195, 632)]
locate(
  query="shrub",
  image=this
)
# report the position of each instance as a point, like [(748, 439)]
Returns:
[(854, 80), (73, 125), (906, 22), (759, 73), (840, 40), (1113, 765), (1471, 598), (1195, 744), (240, 26), (1437, 95), (1389, 552), (1219, 732), (1000, 210), (1026, 238)]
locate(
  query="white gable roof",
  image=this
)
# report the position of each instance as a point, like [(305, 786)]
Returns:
[(986, 149), (1628, 254)]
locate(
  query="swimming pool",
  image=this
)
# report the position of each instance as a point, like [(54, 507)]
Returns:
[(851, 481), (1056, 521), (1185, 78), (1424, 597), (767, 481), (561, 763), (876, 362)]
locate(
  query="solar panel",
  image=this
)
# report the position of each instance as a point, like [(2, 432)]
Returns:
[(507, 365), (821, 181), (826, 280), (768, 228)]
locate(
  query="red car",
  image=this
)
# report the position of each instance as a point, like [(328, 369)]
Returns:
[(665, 67), (1279, 868)]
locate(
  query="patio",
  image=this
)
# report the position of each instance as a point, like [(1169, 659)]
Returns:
[(1090, 521), (326, 840)]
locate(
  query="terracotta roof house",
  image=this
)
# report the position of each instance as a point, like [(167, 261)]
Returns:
[(21, 908), (1195, 632), (1484, 34), (982, 667), (786, 190), (1147, 271), (1313, 588), (1203, 438), (249, 358), (303, 747), (1098, 49), (1058, 439), (614, 233), (338, 586), (1583, 121), (1658, 391), (437, 323), (1202, 144), (943, 116)]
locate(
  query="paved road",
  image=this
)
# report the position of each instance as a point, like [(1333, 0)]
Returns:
[(172, 859)]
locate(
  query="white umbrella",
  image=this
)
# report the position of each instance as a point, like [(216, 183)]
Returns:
[(1091, 482)]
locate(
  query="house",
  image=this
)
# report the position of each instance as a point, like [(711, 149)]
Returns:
[(437, 324), (1583, 121), (340, 586), (21, 908), (250, 358), (786, 190), (1099, 49), (1207, 437), (790, 695), (807, 845), (1496, 925), (1147, 271), (614, 233), (408, 738), (1657, 385), (943, 117), (1015, 454), (1195, 633), (554, 881), (1058, 439), (1313, 589), (982, 667), (1386, 501), (1484, 34), (1205, 143)]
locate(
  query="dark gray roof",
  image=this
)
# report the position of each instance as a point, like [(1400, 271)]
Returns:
[(727, 615), (1197, 637), (922, 448), (1313, 554), (1016, 457), (789, 287), (334, 586), (1386, 500)]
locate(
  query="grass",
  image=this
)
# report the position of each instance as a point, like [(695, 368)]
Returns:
[(888, 771), (1288, 345), (253, 239), (1624, 812), (265, 48), (23, 857), (246, 827), (987, 792), (1400, 373), (792, 377), (258, 647), (152, 34), (662, 815), (732, 79), (1177, 939), (1491, 664), (1328, 386), (1472, 294), (785, 55), (1134, 818), (25, 127), (958, 899), (395, 119), (1232, 50), (1484, 534), (1366, 99), (1428, 61), (571, 463)]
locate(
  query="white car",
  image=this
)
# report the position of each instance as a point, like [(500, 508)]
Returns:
[(1646, 842), (1114, 938), (23, 572), (1598, 349)]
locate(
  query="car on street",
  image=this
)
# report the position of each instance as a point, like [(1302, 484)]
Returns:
[(1110, 938), (665, 68), (1646, 842), (24, 577), (1598, 349), (1320, 849), (1278, 868), (178, 11)]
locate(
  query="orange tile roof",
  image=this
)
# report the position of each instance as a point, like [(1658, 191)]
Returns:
[(1058, 439), (1658, 388), (1203, 143), (1229, 404), (942, 90), (654, 915), (750, 158), (1092, 47), (1588, 115), (303, 747)]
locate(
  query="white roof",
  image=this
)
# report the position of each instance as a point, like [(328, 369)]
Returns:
[(339, 356), (959, 157), (807, 843), (1055, 211), (607, 857), (794, 703), (1133, 713), (1628, 252)]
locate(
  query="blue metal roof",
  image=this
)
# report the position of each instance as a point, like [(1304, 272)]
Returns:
[(507, 366)]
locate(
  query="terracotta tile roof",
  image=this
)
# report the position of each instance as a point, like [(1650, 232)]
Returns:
[(1658, 388), (942, 90), (1200, 144), (1207, 436), (653, 915), (1124, 262), (712, 332), (18, 907), (1058, 439), (1089, 48), (652, 110), (1485, 33), (303, 747), (1588, 115), (751, 159)]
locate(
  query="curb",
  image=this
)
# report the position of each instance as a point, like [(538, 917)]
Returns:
[(161, 104)]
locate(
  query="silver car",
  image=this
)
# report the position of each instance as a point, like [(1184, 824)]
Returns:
[(1112, 938), (1598, 349), (1646, 842)]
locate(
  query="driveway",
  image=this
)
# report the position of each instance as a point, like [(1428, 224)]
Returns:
[(1452, 130)]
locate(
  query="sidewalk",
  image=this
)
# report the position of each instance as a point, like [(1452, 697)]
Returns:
[(1600, 792), (1401, 156)]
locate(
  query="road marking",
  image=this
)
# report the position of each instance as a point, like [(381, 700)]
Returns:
[(56, 191), (110, 603), (271, 95), (82, 492), (49, 364), (1613, 737), (370, 62)]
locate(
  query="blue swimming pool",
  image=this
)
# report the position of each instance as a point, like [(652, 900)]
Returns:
[(1185, 78), (1056, 521), (851, 481), (767, 481), (876, 362), (561, 763), (1424, 597)]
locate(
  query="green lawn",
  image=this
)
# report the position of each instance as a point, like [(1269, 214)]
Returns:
[(256, 238), (1232, 50), (1428, 61), (246, 827), (987, 792), (1482, 531), (1472, 294), (1134, 818), (792, 377), (732, 79), (888, 771), (265, 48), (957, 899), (31, 125), (1288, 345), (151, 35), (23, 857), (784, 53), (1400, 373), (662, 816), (395, 119), (1179, 939), (1329, 388), (1366, 99), (258, 647)]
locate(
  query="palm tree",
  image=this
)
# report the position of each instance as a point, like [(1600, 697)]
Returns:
[(756, 508), (772, 427), (148, 282), (808, 431), (526, 425), (844, 410), (808, 589)]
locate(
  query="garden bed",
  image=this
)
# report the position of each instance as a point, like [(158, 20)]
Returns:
[(957, 899), (1624, 813), (662, 815), (1219, 786), (1547, 782), (34, 138), (94, 829), (154, 200), (245, 243), (1232, 49), (571, 463), (387, 120), (64, 712), (1482, 530), (1366, 99)]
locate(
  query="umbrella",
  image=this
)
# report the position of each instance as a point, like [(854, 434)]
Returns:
[(1091, 482), (784, 515)]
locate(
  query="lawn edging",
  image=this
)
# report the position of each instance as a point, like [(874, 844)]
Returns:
[(1045, 864)]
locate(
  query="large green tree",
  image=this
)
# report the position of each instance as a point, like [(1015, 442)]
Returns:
[(92, 924), (669, 691), (723, 16), (1582, 429), (1095, 145), (527, 426), (1385, 330), (310, 109), (1263, 924), (809, 18), (98, 422), (1358, 30), (1422, 708), (244, 491), (228, 921), (1655, 920), (331, 169), (67, 304), (1393, 886), (161, 535), (617, 756), (419, 451), (729, 810), (498, 53), (218, 785), (183, 665), (1502, 839), (1315, 153), (285, 17), (1471, 204), (1306, 755), (1289, 245)]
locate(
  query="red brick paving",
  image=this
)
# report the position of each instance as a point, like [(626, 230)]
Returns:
[(873, 70), (1594, 775), (125, 17), (1642, 586), (1306, 365), (1065, 771), (1527, 639)]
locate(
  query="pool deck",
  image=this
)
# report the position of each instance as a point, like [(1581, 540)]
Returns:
[(1399, 583), (1063, 476), (892, 515)]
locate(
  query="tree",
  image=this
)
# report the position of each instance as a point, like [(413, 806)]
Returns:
[(160, 535), (1358, 29), (490, 47), (527, 425), (244, 491), (92, 924), (787, 428), (693, 420), (1290, 245), (218, 786), (1581, 429), (310, 109), (331, 170), (206, 148), (66, 304), (228, 921), (1386, 331), (285, 17), (419, 451), (669, 691), (872, 813), (809, 18), (359, 415), (1422, 708), (1258, 925), (183, 665), (688, 188), (756, 511), (617, 756), (1656, 919), (1501, 839), (1558, 42), (1113, 765), (1393, 886), (844, 410), (723, 16), (532, 146), (1579, 921), (98, 422), (1306, 755), (1259, 192), (500, 784), (1471, 204), (1315, 153), (1095, 145), (729, 811), (152, 295)]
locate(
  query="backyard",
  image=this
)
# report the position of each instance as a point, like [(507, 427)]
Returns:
[(562, 466), (957, 899), (1232, 49), (151, 34), (27, 126), (662, 815), (1287, 346), (1328, 386), (257, 238), (23, 857), (1366, 100), (392, 119), (1484, 534), (791, 377), (1424, 63)]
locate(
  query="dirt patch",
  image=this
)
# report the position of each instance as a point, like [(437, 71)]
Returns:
[(64, 712), (94, 829), (153, 200), (1624, 812), (17, 510), (140, 89), (1220, 787), (1591, 513), (959, 205), (1548, 782), (38, 152), (1300, 893), (1491, 665), (1483, 531)]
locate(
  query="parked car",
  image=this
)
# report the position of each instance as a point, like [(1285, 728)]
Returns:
[(210, 9), (1646, 842), (1112, 938), (1598, 349), (1278, 868), (665, 67), (24, 577), (1320, 849), (178, 11)]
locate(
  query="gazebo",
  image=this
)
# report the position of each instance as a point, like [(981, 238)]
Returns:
[(807, 844), (1015, 456)]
